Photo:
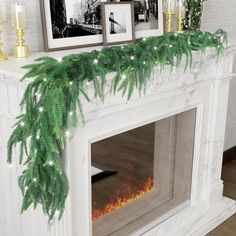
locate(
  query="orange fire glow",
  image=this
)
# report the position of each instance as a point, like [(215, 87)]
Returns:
[(122, 201)]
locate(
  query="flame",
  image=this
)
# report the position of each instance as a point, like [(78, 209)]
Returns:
[(122, 201)]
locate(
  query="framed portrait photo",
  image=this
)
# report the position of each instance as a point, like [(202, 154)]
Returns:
[(148, 17), (118, 23), (71, 23)]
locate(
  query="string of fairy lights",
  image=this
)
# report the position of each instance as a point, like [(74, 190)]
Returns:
[(42, 128)]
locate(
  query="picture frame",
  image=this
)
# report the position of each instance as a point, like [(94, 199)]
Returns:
[(118, 22), (71, 24), (148, 17)]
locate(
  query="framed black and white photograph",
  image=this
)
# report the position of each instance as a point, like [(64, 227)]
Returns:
[(71, 23), (148, 17), (118, 23)]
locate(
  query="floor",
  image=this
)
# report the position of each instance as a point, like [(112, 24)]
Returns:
[(228, 228)]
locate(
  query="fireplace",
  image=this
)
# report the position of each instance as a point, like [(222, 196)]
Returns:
[(151, 166), (172, 140), (141, 173)]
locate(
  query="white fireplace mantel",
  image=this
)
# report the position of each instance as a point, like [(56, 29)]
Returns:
[(204, 87)]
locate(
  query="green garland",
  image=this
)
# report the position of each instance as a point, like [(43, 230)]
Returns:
[(53, 99), (193, 18)]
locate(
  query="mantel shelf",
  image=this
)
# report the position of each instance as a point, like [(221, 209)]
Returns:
[(13, 67)]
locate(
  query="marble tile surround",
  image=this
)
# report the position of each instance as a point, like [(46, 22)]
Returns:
[(205, 88)]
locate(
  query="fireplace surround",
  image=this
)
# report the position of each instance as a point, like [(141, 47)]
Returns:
[(152, 167), (203, 89), (200, 93)]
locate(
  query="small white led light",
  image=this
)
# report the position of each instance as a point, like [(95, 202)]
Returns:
[(50, 163), (123, 76), (57, 212), (59, 59)]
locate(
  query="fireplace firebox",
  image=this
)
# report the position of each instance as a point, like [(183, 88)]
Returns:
[(141, 173)]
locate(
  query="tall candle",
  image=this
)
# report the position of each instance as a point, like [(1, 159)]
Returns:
[(2, 11), (169, 6), (18, 15), (180, 9)]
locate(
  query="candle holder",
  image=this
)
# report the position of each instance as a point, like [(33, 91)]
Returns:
[(169, 20), (3, 56), (20, 50), (169, 11), (180, 12), (180, 25)]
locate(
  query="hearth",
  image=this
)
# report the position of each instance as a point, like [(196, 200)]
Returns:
[(144, 173)]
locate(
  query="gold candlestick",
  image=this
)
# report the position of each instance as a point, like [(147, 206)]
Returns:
[(3, 56), (169, 8), (20, 50), (180, 25), (169, 19), (180, 12)]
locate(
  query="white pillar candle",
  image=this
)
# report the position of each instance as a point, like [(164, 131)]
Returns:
[(180, 9), (18, 15), (2, 11), (169, 6)]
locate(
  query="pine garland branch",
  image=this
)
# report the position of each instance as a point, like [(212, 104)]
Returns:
[(54, 98), (193, 17)]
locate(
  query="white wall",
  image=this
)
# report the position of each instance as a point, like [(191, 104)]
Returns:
[(217, 14), (220, 14)]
